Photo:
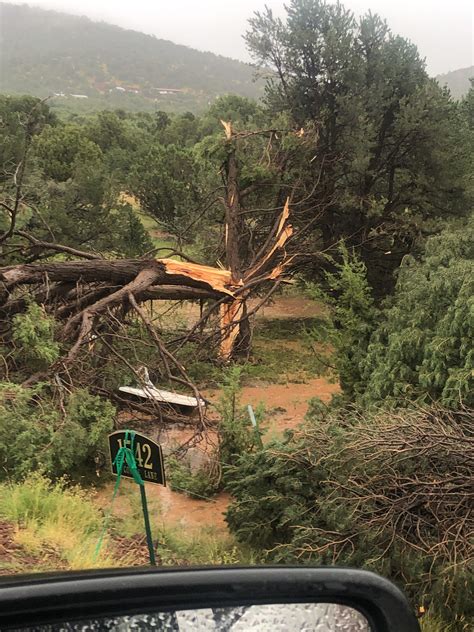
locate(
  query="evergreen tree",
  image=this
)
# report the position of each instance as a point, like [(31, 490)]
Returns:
[(418, 345), (388, 161), (422, 348)]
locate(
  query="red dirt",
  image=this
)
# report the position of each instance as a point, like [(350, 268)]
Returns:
[(285, 404), (280, 308), (288, 307)]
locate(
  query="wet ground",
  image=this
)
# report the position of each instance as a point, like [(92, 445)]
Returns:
[(286, 405)]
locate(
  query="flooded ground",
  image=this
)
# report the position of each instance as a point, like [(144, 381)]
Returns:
[(286, 404)]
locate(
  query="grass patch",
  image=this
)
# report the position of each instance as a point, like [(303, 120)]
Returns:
[(206, 547), (284, 328), (430, 622), (50, 516), (281, 352)]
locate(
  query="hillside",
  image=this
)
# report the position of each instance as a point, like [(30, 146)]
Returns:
[(457, 81), (44, 53)]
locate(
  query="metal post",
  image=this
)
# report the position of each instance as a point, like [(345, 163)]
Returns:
[(255, 425), (146, 518)]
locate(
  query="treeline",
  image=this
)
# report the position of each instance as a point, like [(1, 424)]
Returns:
[(377, 161)]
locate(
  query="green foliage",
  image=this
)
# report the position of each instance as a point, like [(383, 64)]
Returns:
[(389, 156), (51, 432), (109, 131), (467, 113), (346, 328), (135, 241), (419, 345), (33, 335), (201, 367), (347, 490), (201, 484), (260, 480), (164, 179), (74, 174), (62, 148), (16, 124), (236, 435), (242, 112), (422, 347)]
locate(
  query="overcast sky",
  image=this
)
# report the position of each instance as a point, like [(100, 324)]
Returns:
[(442, 29)]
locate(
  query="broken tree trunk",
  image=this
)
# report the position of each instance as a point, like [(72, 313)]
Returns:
[(79, 293), (108, 285), (118, 272), (235, 324)]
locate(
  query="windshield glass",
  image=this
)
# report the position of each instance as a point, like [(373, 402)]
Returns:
[(236, 289), (278, 617)]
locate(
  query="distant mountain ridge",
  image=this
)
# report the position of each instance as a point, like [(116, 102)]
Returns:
[(457, 81), (91, 65), (46, 52)]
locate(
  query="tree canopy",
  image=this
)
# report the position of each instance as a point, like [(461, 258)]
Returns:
[(388, 157)]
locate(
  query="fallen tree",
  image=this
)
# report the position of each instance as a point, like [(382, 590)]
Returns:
[(78, 292), (91, 297)]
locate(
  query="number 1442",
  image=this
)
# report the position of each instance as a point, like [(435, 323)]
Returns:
[(142, 454)]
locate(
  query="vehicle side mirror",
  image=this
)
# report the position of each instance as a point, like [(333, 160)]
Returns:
[(230, 598)]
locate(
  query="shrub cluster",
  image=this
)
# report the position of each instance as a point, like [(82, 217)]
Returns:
[(391, 492)]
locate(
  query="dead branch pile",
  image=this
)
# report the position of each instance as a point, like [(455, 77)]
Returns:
[(401, 489)]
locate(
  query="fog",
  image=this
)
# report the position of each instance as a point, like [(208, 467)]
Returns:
[(442, 30)]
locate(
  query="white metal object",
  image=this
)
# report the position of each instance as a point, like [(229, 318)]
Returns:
[(252, 416), (160, 395)]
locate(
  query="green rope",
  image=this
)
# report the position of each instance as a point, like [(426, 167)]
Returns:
[(124, 455)]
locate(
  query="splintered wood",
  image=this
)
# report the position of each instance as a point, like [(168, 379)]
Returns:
[(218, 279), (283, 233), (230, 316), (81, 294), (232, 313)]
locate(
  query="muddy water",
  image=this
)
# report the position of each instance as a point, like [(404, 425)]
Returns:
[(288, 401), (190, 514), (172, 510), (286, 406)]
